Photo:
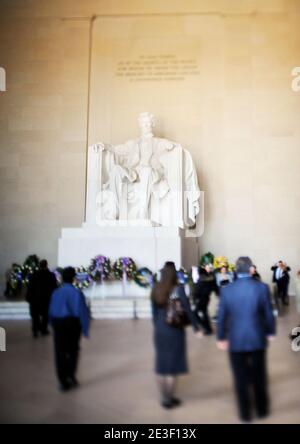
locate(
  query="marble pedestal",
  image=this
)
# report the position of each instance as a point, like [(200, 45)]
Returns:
[(148, 246)]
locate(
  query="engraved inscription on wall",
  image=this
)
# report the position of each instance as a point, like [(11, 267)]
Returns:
[(157, 67)]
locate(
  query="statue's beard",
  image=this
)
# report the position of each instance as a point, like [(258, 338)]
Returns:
[(147, 133)]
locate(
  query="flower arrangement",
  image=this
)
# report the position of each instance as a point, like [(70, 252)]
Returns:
[(16, 277), (144, 277), (207, 259), (82, 279), (100, 268), (222, 261), (20, 274), (31, 264), (124, 267), (183, 276), (231, 268)]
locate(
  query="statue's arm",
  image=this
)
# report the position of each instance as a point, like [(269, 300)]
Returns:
[(119, 150), (101, 146)]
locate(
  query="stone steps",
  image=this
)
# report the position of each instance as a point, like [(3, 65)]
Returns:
[(14, 310), (120, 308), (101, 308)]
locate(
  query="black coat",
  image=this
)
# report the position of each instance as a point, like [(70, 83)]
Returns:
[(285, 275), (40, 288), (170, 342), (204, 287), (256, 276)]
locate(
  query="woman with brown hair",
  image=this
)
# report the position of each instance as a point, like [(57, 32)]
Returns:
[(169, 341)]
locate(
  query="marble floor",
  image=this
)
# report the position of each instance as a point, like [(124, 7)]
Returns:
[(117, 382)]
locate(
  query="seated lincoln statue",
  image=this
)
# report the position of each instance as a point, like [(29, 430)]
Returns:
[(148, 180)]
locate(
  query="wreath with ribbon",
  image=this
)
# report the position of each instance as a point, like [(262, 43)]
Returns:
[(16, 278), (20, 274), (207, 259), (100, 268), (31, 264), (144, 277), (82, 278), (124, 266)]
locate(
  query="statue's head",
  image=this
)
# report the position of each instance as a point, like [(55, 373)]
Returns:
[(146, 123)]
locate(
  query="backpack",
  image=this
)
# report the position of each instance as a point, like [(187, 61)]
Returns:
[(176, 315)]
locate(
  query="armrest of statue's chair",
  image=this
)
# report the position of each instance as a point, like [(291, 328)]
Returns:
[(98, 166), (107, 187)]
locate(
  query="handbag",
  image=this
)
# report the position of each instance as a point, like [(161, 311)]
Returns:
[(176, 315)]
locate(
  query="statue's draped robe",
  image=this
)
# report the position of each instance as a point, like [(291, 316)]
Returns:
[(167, 180)]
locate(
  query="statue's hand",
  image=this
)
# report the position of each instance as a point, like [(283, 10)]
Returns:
[(131, 175), (96, 148), (169, 145), (100, 147)]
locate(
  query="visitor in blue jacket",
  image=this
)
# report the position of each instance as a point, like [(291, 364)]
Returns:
[(245, 324), (69, 317)]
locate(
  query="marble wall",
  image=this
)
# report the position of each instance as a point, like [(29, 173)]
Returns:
[(236, 114)]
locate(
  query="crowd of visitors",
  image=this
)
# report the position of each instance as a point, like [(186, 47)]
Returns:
[(244, 317)]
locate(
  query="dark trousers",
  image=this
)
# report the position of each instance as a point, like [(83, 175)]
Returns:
[(67, 333), (282, 290), (202, 314), (250, 377), (39, 318)]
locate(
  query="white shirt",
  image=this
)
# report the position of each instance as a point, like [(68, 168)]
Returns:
[(278, 273)]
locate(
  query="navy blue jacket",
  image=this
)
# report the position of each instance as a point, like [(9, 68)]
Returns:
[(245, 315), (68, 301)]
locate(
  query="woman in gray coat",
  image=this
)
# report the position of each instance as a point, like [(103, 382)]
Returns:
[(169, 341)]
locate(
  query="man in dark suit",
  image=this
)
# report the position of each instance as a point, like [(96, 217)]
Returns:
[(40, 288), (245, 323), (202, 291), (281, 278)]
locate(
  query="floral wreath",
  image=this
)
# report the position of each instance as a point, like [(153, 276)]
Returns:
[(16, 276), (144, 277), (222, 261), (207, 259), (100, 268), (20, 274), (82, 278), (124, 265), (31, 264)]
